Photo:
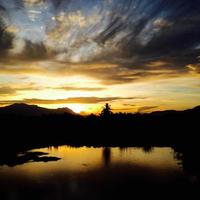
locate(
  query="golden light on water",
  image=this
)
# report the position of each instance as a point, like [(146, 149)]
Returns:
[(86, 159)]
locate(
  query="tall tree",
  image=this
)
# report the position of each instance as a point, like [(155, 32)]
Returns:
[(107, 111)]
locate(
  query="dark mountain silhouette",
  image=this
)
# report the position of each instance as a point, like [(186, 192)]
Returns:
[(32, 110), (194, 110)]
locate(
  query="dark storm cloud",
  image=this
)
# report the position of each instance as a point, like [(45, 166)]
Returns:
[(5, 38), (34, 51), (172, 31)]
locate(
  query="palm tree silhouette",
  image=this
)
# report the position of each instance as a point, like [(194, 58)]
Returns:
[(106, 112)]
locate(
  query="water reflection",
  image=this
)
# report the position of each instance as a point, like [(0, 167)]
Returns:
[(95, 173), (106, 155), (76, 159), (147, 149)]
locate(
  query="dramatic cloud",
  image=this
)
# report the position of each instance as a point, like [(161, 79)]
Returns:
[(7, 91), (129, 33), (5, 37), (78, 100), (11, 90), (113, 42), (107, 74), (146, 108), (70, 88)]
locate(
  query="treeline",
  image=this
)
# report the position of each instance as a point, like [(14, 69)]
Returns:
[(122, 129)]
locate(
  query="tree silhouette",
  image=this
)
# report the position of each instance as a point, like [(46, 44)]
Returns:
[(106, 112)]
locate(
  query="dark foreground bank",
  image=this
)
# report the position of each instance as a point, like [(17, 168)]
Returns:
[(20, 133), (164, 128)]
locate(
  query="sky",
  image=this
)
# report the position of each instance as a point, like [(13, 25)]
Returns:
[(137, 55)]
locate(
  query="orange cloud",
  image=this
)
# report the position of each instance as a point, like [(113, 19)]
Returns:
[(79, 100)]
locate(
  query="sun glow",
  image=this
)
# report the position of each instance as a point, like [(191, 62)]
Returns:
[(84, 109), (77, 108)]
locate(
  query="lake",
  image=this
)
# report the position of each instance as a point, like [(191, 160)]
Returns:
[(66, 172)]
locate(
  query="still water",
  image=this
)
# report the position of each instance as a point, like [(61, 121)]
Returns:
[(66, 172)]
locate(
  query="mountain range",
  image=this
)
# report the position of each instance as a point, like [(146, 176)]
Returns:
[(22, 109), (32, 110)]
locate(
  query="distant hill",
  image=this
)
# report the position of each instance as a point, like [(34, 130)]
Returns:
[(32, 110), (194, 110)]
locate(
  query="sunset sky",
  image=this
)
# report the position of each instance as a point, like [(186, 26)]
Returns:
[(137, 55)]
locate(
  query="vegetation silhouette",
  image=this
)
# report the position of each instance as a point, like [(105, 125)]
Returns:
[(189, 161), (106, 111), (24, 129)]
